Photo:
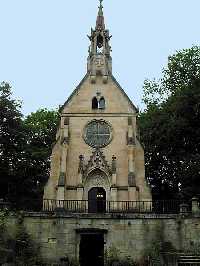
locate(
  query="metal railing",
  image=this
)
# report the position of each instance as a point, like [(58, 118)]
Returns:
[(90, 206), (4, 204), (100, 206)]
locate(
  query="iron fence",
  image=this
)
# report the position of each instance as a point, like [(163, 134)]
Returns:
[(4, 204), (89, 206), (101, 206)]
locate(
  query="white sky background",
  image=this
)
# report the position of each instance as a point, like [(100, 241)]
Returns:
[(43, 47)]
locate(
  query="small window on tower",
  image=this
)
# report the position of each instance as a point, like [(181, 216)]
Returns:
[(102, 103), (99, 41), (94, 103)]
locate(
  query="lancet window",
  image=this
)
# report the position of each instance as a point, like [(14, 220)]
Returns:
[(98, 104)]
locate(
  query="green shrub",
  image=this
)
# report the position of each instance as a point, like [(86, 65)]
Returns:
[(113, 258), (26, 251)]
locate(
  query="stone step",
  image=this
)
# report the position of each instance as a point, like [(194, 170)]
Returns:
[(188, 263), (189, 256), (189, 260), (198, 259)]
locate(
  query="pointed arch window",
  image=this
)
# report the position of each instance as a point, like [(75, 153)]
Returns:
[(95, 103), (102, 103)]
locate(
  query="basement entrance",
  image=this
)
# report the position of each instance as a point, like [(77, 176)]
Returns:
[(91, 252)]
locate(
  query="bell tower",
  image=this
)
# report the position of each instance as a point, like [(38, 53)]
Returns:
[(99, 59)]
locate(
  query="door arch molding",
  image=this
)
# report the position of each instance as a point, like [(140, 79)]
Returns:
[(97, 178)]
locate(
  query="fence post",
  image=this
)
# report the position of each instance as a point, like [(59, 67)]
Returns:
[(195, 206), (184, 208)]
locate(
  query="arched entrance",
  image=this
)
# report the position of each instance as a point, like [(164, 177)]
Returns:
[(97, 200)]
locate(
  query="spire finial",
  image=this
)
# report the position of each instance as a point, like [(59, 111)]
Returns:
[(100, 8), (100, 17)]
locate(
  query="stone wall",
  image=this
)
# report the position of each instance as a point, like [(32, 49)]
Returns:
[(132, 235)]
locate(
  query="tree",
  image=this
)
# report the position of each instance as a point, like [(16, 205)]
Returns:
[(170, 127), (25, 148), (40, 128), (11, 140), (182, 71)]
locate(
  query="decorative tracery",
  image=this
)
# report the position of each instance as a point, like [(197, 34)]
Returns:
[(98, 133)]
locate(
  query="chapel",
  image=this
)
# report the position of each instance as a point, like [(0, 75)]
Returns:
[(98, 156), (97, 206)]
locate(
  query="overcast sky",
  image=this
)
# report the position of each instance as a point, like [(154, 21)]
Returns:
[(43, 47)]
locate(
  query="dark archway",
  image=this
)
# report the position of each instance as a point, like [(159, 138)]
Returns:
[(97, 200)]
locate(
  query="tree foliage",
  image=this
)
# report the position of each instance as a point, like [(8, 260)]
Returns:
[(17, 248), (25, 148), (183, 70), (11, 139), (40, 128), (170, 127)]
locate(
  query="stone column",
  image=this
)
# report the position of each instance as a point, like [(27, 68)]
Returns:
[(63, 163), (195, 206), (114, 170), (93, 61), (113, 203), (131, 165), (132, 193), (81, 205), (184, 208), (132, 190), (80, 188), (81, 170)]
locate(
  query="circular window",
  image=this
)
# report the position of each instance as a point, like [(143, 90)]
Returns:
[(98, 133)]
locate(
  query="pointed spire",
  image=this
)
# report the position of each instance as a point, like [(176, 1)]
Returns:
[(100, 18)]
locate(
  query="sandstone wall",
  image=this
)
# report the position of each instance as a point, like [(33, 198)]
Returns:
[(132, 235)]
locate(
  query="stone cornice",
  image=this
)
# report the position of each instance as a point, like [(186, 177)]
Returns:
[(98, 115)]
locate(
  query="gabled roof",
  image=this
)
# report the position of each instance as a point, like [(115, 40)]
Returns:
[(74, 92), (122, 90), (82, 81)]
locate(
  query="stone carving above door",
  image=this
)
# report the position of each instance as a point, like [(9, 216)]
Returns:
[(97, 161), (97, 180)]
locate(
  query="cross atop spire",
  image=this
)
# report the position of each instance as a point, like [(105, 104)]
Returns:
[(101, 8), (100, 17)]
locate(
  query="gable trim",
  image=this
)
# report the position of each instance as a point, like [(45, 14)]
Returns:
[(122, 90), (74, 92)]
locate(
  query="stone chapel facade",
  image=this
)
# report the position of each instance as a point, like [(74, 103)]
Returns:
[(98, 151), (97, 204)]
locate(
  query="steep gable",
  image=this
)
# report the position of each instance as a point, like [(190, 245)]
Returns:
[(116, 100)]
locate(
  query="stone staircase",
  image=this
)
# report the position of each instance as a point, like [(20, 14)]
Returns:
[(189, 260)]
